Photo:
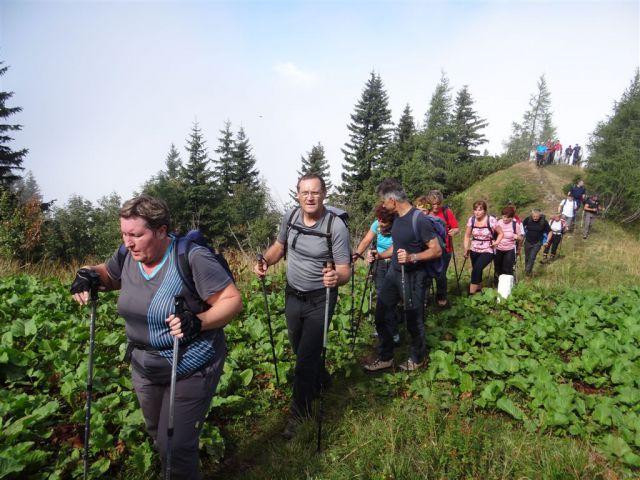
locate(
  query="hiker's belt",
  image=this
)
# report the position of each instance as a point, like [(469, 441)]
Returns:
[(304, 296)]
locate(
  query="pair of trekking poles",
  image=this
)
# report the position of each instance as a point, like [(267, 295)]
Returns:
[(325, 334), (179, 303)]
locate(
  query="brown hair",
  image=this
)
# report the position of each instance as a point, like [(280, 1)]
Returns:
[(152, 210), (480, 203), (312, 176), (382, 214), (509, 211)]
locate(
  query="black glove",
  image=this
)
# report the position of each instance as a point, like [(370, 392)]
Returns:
[(86, 280), (190, 324)]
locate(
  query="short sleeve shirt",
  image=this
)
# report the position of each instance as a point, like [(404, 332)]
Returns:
[(404, 236), (508, 241), (383, 242), (147, 300), (307, 253)]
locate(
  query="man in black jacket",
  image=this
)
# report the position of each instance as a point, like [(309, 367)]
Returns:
[(535, 227)]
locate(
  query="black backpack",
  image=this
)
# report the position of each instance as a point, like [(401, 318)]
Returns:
[(301, 230), (183, 246)]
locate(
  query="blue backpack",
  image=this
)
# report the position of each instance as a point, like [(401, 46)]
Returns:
[(183, 246), (435, 266)]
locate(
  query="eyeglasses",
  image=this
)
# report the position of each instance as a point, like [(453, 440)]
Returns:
[(309, 194)]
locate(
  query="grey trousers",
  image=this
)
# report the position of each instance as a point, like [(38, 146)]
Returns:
[(588, 221), (193, 396)]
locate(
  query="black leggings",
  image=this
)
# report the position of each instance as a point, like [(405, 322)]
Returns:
[(503, 263), (478, 263), (555, 243)]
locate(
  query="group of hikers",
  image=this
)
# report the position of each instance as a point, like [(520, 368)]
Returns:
[(551, 152), (178, 294)]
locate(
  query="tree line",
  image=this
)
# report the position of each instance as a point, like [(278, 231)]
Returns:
[(222, 193)]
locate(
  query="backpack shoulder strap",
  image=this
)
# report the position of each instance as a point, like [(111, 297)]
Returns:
[(182, 248), (329, 233), (122, 255), (414, 222)]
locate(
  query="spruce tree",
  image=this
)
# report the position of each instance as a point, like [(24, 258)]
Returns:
[(199, 190), (536, 126), (244, 163), (370, 133), (613, 168), (315, 162), (224, 164), (10, 160), (439, 136), (406, 128), (467, 127)]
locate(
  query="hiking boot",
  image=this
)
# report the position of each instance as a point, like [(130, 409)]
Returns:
[(291, 427), (410, 365), (379, 365)]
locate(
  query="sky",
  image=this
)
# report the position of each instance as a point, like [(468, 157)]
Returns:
[(107, 87)]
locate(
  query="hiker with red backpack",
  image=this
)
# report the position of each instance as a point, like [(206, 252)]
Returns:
[(175, 332), (482, 235), (443, 212), (511, 242)]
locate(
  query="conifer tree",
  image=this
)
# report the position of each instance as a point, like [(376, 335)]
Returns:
[(439, 143), (536, 126), (406, 127), (370, 133), (316, 163), (10, 160), (198, 187), (614, 169), (467, 127), (244, 163), (224, 164)]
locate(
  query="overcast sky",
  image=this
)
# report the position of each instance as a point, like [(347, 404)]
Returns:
[(106, 87)]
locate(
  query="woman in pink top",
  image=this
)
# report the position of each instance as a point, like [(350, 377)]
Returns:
[(482, 235), (506, 250)]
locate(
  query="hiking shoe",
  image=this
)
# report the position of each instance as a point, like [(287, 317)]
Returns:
[(410, 365), (378, 365), (291, 427)]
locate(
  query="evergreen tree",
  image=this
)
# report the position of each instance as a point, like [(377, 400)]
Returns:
[(10, 160), (173, 163), (316, 163), (467, 127), (406, 128), (224, 165), (244, 163), (439, 136), (27, 188), (614, 169), (370, 133), (536, 126), (199, 191)]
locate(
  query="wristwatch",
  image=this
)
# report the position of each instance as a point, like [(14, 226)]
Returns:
[(414, 258)]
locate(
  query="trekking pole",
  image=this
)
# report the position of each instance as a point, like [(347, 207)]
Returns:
[(178, 304), (455, 267), (462, 269), (261, 259), (515, 263), (94, 278), (364, 293), (353, 287), (404, 293), (327, 304)]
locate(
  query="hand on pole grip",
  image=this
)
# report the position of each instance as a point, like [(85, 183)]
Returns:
[(260, 268), (329, 275), (183, 323), (86, 280)]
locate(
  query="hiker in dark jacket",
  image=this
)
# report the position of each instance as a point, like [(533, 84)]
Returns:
[(149, 279), (536, 228), (591, 209)]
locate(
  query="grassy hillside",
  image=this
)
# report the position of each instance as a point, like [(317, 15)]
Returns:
[(422, 426)]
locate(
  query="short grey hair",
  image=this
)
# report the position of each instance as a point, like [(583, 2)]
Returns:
[(435, 195), (390, 188), (536, 210)]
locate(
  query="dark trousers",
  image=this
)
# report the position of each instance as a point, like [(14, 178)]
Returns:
[(305, 324), (390, 296), (503, 262), (555, 243), (441, 281), (382, 268), (530, 253), (193, 396), (478, 263)]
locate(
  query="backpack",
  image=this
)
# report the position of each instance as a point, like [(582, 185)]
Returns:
[(301, 230), (183, 246), (494, 235), (435, 266)]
